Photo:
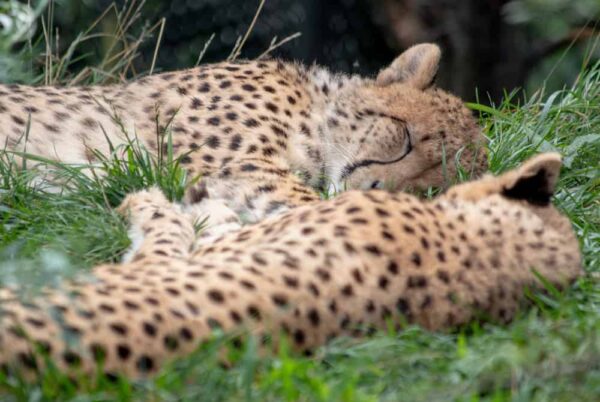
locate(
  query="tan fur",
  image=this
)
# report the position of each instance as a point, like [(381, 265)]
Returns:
[(263, 135), (332, 268), (417, 67)]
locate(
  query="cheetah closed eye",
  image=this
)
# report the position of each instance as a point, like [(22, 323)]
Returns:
[(264, 135), (331, 268)]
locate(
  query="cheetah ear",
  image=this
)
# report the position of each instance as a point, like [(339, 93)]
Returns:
[(535, 181), (417, 67)]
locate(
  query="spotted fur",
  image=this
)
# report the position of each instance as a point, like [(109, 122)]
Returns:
[(264, 135), (360, 261)]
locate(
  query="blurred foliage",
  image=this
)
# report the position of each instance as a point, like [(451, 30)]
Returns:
[(339, 33), (17, 22), (335, 33), (566, 22), (18, 25), (552, 19), (557, 71)]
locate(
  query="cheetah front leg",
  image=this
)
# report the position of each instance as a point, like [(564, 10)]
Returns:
[(157, 227), (254, 189), (240, 202), (245, 191), (215, 219)]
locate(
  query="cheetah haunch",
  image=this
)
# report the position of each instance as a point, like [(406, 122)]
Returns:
[(322, 270), (264, 135)]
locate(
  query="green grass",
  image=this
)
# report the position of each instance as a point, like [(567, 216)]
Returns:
[(551, 352)]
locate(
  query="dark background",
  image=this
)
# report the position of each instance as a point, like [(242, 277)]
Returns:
[(488, 45)]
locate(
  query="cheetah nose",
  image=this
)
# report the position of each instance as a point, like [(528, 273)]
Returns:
[(377, 184)]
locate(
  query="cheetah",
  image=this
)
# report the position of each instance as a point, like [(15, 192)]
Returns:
[(264, 136), (332, 268)]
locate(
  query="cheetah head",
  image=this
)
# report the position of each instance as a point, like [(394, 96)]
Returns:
[(402, 131)]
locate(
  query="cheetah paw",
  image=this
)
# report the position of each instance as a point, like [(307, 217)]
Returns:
[(142, 202), (215, 218)]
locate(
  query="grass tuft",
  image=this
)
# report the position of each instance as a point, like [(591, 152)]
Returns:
[(41, 224)]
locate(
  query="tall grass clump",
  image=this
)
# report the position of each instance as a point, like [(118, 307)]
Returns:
[(78, 218), (38, 226)]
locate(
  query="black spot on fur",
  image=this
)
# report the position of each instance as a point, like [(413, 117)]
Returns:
[(214, 121), (171, 343), (251, 123), (123, 351), (248, 167), (196, 104), (249, 87), (144, 364), (213, 142), (216, 296), (149, 329)]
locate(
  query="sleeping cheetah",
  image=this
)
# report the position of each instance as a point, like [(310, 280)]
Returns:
[(360, 261), (264, 135)]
